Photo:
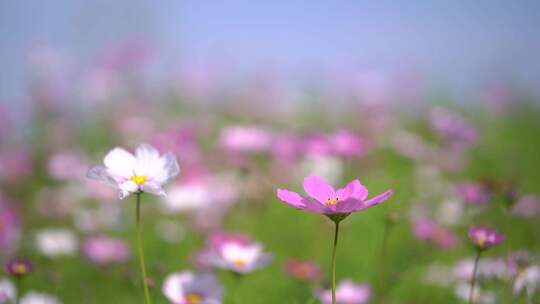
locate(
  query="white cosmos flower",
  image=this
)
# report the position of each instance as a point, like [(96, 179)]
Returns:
[(7, 291), (34, 297), (192, 288), (528, 279), (146, 171), (56, 242)]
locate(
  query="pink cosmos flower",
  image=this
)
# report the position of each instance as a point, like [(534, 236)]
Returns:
[(191, 288), (103, 250), (484, 238), (146, 171), (302, 270), (234, 252), (19, 267), (348, 292), (322, 198)]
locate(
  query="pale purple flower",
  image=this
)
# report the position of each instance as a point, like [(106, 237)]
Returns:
[(451, 127), (104, 250), (484, 238), (528, 206), (348, 292), (191, 288), (322, 198), (146, 171)]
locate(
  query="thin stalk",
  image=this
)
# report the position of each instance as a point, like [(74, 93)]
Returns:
[(336, 234), (140, 249), (473, 279), (18, 290)]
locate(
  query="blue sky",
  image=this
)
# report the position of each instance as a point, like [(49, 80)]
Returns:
[(458, 43)]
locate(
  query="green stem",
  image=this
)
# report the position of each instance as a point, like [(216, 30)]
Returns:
[(18, 290), (336, 233), (140, 249), (473, 279)]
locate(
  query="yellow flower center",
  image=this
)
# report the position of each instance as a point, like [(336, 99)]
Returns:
[(138, 179), (331, 201), (482, 240), (19, 269), (193, 298), (239, 263)]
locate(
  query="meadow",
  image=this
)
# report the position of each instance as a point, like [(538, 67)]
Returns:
[(451, 165)]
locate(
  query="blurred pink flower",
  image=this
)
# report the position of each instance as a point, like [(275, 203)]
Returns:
[(67, 166), (316, 144), (15, 164), (245, 139), (473, 193), (427, 230), (451, 127), (302, 270), (9, 227), (234, 252), (347, 144), (104, 250), (348, 292)]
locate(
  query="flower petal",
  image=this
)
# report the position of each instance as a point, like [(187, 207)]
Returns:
[(170, 168), (375, 200), (292, 198), (102, 174), (154, 188), (318, 189), (128, 188), (120, 163), (354, 190), (148, 161)]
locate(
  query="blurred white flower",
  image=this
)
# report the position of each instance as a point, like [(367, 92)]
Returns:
[(186, 197), (34, 297), (329, 168), (188, 287), (449, 212), (479, 297), (487, 268), (7, 291), (146, 171), (528, 279), (56, 242)]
